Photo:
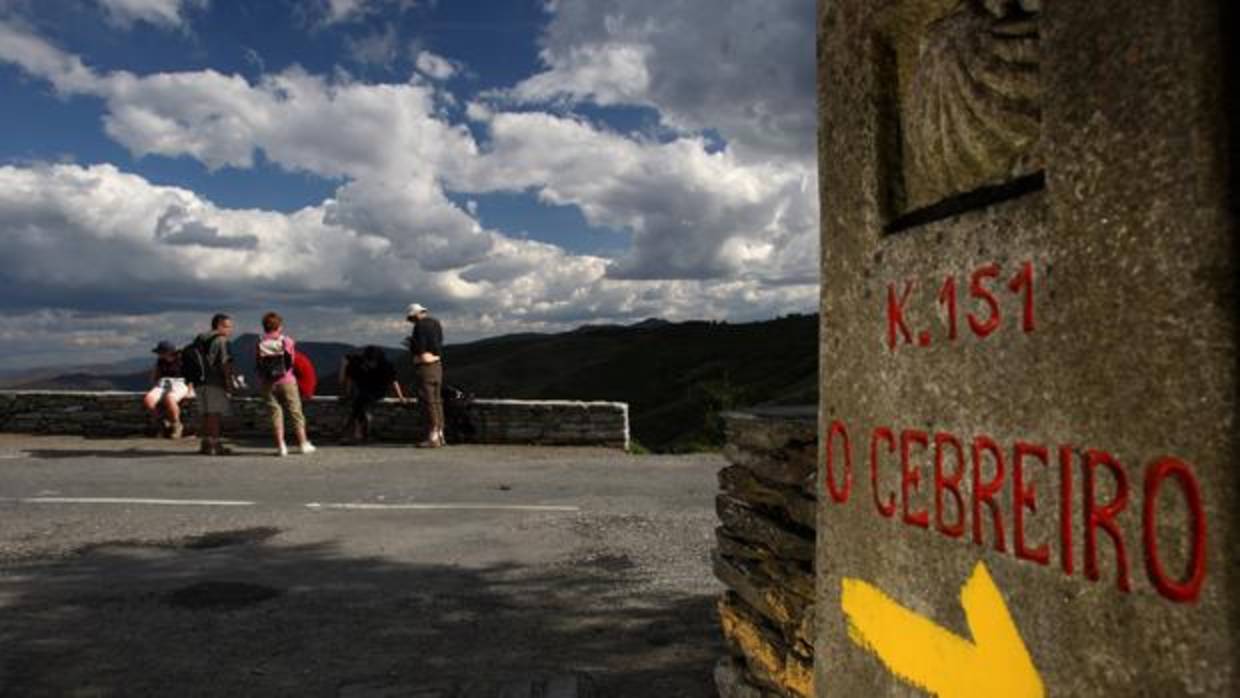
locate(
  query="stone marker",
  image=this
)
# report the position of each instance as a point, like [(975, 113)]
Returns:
[(1028, 468)]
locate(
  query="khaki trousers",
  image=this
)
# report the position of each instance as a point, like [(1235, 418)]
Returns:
[(430, 396), (283, 394)]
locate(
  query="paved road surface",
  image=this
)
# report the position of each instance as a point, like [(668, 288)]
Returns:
[(138, 568)]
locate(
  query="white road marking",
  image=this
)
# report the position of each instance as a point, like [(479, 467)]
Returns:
[(438, 507), (133, 500), (342, 506)]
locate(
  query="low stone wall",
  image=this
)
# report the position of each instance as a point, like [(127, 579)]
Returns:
[(117, 414), (765, 554)]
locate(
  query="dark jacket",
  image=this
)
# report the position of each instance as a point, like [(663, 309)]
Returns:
[(169, 369), (427, 337), (217, 356)]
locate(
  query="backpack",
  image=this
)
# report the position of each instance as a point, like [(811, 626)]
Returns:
[(274, 362), (194, 363), (307, 378)]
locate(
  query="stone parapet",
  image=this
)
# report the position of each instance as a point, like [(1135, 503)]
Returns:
[(765, 553), (120, 414)]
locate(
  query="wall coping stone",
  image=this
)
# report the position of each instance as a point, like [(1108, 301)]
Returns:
[(510, 419), (790, 413)]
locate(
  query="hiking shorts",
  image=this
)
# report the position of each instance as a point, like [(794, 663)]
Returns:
[(215, 400), (280, 397), (175, 388)]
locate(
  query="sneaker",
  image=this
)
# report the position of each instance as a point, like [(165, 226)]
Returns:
[(283, 451), (177, 430), (308, 448)]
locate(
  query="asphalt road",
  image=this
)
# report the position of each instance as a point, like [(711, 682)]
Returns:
[(137, 567)]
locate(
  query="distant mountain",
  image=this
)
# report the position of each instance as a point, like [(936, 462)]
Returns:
[(676, 377), (14, 378), (650, 322)]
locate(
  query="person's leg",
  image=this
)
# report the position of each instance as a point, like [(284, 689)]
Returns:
[(430, 383), (358, 417), (423, 375), (173, 411), (150, 401), (214, 402), (436, 391), (172, 405), (367, 418), (211, 424), (204, 428), (292, 400), (271, 397)]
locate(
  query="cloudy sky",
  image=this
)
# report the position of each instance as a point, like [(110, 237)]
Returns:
[(524, 165)]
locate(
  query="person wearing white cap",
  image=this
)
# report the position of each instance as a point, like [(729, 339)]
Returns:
[(426, 347)]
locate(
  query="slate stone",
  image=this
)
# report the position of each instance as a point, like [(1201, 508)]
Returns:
[(782, 607), (740, 482), (745, 523), (732, 681), (766, 654), (796, 467)]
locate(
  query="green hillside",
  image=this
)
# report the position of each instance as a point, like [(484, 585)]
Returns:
[(675, 377)]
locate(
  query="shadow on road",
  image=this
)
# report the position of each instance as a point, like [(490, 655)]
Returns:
[(68, 453), (250, 616)]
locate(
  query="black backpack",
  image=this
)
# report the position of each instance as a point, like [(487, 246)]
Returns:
[(194, 363), (271, 367)]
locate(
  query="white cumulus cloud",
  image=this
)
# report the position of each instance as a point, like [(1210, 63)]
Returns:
[(167, 13), (715, 232), (745, 69), (434, 66)]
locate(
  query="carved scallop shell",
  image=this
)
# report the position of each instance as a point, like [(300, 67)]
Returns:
[(973, 112)]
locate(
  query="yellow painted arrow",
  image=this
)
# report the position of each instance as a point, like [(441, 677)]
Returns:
[(994, 664)]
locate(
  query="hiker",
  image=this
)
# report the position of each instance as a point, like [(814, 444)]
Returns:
[(426, 348), (366, 379), (278, 384), (170, 388), (215, 384)]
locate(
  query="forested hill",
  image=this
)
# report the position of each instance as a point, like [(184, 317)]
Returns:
[(676, 377)]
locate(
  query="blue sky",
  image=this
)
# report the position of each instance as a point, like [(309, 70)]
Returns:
[(519, 165)]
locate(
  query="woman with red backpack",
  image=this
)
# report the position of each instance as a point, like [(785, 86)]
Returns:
[(278, 382)]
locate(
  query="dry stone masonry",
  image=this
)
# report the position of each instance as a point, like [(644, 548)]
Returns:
[(765, 554), (120, 414)]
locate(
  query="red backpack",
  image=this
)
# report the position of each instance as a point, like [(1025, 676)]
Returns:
[(307, 378)]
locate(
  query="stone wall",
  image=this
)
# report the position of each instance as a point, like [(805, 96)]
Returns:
[(765, 554), (120, 414)]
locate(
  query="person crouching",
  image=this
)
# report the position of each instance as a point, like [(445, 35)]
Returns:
[(366, 378), (278, 384), (169, 389)]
